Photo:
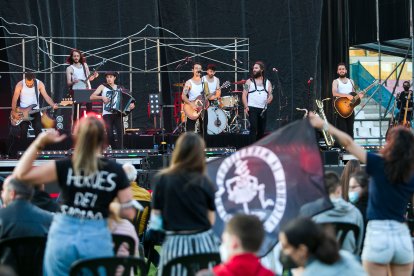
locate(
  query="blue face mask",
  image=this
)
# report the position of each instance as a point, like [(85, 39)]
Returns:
[(353, 197)]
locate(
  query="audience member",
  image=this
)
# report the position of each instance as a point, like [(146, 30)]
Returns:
[(42, 200), (118, 225), (388, 245), (305, 244), (342, 212), (183, 202), (138, 193), (88, 183), (358, 192), (241, 239), (21, 218), (351, 166)]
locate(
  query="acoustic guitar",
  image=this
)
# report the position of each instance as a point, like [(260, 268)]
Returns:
[(192, 113), (345, 107), (23, 113)]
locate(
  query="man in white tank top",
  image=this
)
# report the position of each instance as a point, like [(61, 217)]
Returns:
[(76, 77), (194, 88), (113, 120), (25, 92), (342, 87), (213, 83), (257, 95)]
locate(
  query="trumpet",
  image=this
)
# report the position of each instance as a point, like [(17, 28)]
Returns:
[(329, 140)]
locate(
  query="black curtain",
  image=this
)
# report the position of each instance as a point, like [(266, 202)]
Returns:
[(283, 34)]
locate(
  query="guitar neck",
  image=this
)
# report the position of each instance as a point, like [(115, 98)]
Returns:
[(39, 110)]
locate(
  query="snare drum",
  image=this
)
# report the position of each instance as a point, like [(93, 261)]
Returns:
[(228, 101)]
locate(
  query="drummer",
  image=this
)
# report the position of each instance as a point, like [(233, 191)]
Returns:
[(213, 91)]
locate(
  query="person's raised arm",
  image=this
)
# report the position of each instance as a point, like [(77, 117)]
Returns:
[(46, 173), (343, 139)]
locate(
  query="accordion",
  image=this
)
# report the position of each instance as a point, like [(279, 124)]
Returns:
[(119, 101)]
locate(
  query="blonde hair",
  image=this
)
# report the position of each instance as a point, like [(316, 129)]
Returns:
[(188, 154), (89, 137)]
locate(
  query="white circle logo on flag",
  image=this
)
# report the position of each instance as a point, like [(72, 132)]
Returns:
[(252, 180)]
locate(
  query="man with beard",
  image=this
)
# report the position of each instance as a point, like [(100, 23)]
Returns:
[(257, 94), (402, 102), (77, 77), (342, 87), (193, 89)]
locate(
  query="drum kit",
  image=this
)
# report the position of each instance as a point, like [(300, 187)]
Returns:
[(225, 115)]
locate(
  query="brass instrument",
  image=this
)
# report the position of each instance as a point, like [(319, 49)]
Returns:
[(329, 140)]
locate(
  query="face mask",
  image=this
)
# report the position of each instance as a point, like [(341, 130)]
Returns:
[(353, 197), (287, 261), (224, 254)]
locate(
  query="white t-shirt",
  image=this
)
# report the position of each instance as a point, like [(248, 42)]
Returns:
[(106, 92), (345, 88), (28, 95), (195, 91), (259, 97)]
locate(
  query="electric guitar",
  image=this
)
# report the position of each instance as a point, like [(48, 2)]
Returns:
[(405, 122), (192, 113), (345, 107), (22, 114)]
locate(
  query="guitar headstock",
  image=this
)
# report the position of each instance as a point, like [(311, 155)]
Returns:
[(66, 101)]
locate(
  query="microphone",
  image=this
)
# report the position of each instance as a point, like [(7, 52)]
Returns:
[(187, 60), (237, 60), (310, 80), (275, 70), (199, 72)]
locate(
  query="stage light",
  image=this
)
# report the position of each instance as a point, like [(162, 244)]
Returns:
[(154, 104)]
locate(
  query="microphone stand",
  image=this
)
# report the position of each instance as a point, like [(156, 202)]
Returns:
[(203, 98)]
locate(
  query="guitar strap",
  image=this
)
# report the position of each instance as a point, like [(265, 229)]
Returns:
[(86, 76), (36, 92)]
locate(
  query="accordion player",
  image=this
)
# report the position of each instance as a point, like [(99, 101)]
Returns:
[(119, 101)]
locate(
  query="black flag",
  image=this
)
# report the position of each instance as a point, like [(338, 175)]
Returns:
[(277, 178)]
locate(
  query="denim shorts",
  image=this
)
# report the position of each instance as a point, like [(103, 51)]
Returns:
[(71, 239), (388, 242)]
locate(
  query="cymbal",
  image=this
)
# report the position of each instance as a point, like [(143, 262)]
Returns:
[(179, 84), (236, 91), (239, 82)]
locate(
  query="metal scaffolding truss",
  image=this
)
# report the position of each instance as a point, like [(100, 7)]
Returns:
[(128, 56)]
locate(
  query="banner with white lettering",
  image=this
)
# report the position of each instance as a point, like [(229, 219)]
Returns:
[(275, 179)]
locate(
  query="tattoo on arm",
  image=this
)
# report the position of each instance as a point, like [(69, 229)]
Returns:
[(246, 87)]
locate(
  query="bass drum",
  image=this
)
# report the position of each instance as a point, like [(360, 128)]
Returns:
[(217, 120)]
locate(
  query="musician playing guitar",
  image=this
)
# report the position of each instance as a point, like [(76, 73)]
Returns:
[(113, 119), (194, 96), (405, 105), (27, 91), (343, 87), (79, 77)]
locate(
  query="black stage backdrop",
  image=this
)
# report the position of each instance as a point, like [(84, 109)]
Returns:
[(283, 34)]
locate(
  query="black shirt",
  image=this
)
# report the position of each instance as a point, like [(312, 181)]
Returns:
[(184, 199), (89, 196), (401, 103)]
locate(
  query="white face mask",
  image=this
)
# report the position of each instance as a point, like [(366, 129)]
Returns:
[(353, 197), (224, 253)]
